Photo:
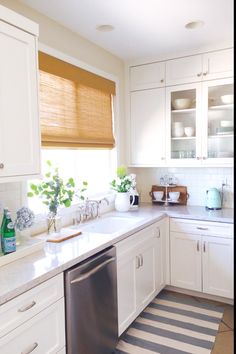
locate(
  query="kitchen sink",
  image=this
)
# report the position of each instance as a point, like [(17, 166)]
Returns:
[(108, 225)]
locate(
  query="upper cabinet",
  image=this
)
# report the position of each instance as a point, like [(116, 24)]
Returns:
[(218, 64), (208, 66), (189, 121), (183, 70), (147, 76), (19, 116)]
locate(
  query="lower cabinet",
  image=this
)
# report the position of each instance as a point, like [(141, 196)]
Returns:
[(43, 333), (201, 256), (140, 271), (35, 321)]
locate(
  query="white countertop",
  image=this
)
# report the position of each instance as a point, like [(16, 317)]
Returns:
[(25, 273)]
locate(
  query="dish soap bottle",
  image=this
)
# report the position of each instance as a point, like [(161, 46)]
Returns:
[(8, 236)]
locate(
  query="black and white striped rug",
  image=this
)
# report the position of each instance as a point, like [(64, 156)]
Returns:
[(172, 325)]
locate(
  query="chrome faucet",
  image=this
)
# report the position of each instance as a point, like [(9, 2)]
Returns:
[(89, 210)]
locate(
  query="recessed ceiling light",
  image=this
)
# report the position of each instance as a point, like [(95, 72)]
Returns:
[(194, 24), (105, 28)]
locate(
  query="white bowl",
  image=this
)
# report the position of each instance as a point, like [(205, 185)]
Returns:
[(177, 124), (174, 195), (226, 123), (158, 195), (178, 132), (227, 99), (189, 131), (182, 103)]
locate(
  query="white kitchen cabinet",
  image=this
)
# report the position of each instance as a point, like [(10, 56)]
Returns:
[(211, 144), (219, 64), (201, 256), (19, 117), (184, 70), (140, 271), (43, 333), (217, 266), (147, 76), (195, 68), (147, 124), (26, 321), (185, 261)]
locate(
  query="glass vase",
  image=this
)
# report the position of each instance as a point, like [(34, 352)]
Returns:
[(53, 224)]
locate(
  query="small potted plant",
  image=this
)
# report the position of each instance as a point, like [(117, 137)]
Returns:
[(55, 193), (123, 184)]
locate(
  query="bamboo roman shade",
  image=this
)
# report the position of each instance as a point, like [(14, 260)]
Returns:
[(75, 106)]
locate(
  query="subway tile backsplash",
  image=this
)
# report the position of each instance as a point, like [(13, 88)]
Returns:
[(197, 180)]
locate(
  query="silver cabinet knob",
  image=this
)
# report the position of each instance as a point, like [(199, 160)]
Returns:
[(205, 73), (198, 158), (199, 74), (2, 165), (204, 158), (162, 80)]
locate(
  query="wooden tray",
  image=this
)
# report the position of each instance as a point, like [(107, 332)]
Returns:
[(182, 198)]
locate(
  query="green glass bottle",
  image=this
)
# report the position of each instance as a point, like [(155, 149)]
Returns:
[(8, 236), (3, 221)]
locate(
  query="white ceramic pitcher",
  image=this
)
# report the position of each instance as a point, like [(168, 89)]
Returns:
[(122, 201)]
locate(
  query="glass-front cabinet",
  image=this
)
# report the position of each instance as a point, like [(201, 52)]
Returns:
[(200, 123), (219, 123)]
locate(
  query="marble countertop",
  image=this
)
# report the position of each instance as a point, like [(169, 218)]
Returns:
[(26, 273)]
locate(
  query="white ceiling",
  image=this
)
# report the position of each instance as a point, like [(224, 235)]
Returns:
[(143, 27)]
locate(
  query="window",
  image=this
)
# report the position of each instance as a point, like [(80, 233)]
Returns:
[(76, 116)]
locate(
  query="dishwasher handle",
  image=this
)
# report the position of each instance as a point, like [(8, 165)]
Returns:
[(92, 271)]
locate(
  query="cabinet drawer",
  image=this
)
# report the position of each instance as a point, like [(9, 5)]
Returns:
[(201, 227), (27, 305), (133, 241), (43, 334)]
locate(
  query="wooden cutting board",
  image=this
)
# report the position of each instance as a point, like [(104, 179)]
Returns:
[(64, 234)]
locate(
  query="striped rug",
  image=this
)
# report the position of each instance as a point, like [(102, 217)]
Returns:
[(172, 325)]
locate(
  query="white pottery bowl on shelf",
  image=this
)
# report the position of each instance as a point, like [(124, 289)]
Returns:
[(174, 196), (182, 103), (158, 195), (226, 123), (178, 132), (227, 99), (189, 131)]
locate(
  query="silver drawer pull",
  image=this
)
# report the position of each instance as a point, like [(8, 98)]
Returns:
[(202, 228), (137, 262), (204, 246), (26, 308), (198, 248), (30, 349), (141, 260)]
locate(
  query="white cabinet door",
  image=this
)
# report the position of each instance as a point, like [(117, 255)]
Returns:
[(44, 333), (19, 122), (184, 70), (147, 127), (147, 76), (185, 255), (126, 288), (218, 64), (146, 273), (217, 262)]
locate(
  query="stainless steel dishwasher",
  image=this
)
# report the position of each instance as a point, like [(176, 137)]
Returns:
[(91, 305)]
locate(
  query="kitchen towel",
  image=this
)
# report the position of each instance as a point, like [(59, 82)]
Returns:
[(173, 324)]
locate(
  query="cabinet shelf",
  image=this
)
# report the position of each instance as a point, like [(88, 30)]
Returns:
[(221, 136), (184, 138), (187, 110), (221, 107)]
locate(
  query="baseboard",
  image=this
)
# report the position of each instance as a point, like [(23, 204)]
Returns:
[(199, 294)]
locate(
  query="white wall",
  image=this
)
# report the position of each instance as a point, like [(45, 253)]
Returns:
[(197, 180)]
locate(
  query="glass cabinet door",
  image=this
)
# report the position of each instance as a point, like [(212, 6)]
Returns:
[(220, 122), (183, 105)]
